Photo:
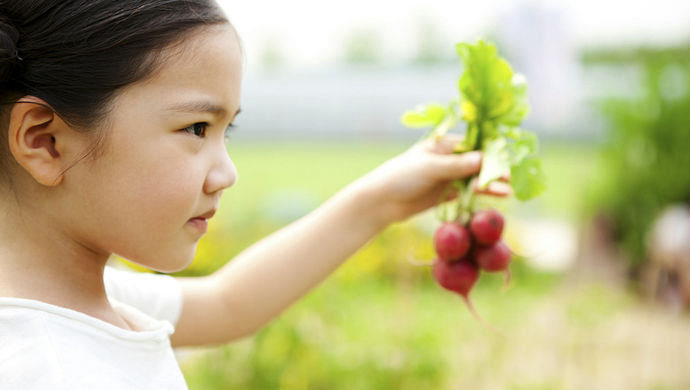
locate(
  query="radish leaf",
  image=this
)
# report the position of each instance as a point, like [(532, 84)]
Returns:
[(424, 115), (527, 178), (492, 102)]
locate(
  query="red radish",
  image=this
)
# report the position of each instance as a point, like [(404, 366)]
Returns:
[(459, 277), (486, 226), (492, 258), (452, 241)]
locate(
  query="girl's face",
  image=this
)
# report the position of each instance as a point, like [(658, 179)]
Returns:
[(163, 165)]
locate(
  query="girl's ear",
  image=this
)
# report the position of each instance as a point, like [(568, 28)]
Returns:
[(39, 140)]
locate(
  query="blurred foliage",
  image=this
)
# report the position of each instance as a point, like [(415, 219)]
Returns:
[(644, 162), (431, 45), (370, 333), (568, 169), (378, 322), (364, 46), (635, 55)]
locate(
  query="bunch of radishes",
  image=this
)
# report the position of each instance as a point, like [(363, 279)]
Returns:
[(463, 250), (492, 103)]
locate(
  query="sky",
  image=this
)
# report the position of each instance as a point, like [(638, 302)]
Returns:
[(310, 33)]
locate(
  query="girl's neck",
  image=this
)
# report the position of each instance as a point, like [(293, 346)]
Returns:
[(40, 262)]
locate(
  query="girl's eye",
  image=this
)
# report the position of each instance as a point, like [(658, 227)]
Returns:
[(197, 129), (229, 129)]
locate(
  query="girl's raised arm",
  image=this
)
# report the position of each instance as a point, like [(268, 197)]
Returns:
[(269, 276)]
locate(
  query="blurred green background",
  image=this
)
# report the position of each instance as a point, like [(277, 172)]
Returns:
[(596, 302)]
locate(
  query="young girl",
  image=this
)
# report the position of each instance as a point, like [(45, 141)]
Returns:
[(113, 123)]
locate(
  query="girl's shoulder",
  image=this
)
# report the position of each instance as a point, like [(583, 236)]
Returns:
[(159, 296), (47, 346), (25, 314)]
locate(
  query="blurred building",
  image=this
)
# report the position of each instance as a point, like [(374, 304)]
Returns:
[(364, 101), (537, 41), (346, 103)]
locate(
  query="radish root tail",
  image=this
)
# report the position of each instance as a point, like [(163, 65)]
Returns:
[(479, 318), (506, 280)]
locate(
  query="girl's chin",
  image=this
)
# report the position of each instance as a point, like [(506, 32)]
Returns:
[(172, 263), (172, 266)]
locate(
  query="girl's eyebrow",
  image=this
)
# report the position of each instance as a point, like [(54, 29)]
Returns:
[(201, 106)]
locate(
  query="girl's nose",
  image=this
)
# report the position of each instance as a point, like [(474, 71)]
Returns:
[(222, 175)]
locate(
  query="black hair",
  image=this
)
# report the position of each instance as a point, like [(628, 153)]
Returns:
[(75, 54)]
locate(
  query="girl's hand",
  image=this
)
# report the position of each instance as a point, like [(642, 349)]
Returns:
[(415, 180)]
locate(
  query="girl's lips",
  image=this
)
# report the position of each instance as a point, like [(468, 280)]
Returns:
[(207, 215), (200, 223)]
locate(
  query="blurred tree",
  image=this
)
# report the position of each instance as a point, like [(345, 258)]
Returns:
[(431, 46), (646, 156), (364, 46)]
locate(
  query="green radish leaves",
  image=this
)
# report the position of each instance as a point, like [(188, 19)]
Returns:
[(425, 115), (485, 83), (441, 118), (493, 102), (527, 178)]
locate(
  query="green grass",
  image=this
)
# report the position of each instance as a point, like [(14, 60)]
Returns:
[(316, 171), (380, 323), (372, 334), (569, 169), (389, 334)]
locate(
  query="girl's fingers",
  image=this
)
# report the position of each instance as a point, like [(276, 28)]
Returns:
[(447, 165), (495, 188), (446, 144), (455, 166)]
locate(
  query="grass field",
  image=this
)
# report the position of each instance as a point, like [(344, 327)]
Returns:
[(317, 171), (380, 323)]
